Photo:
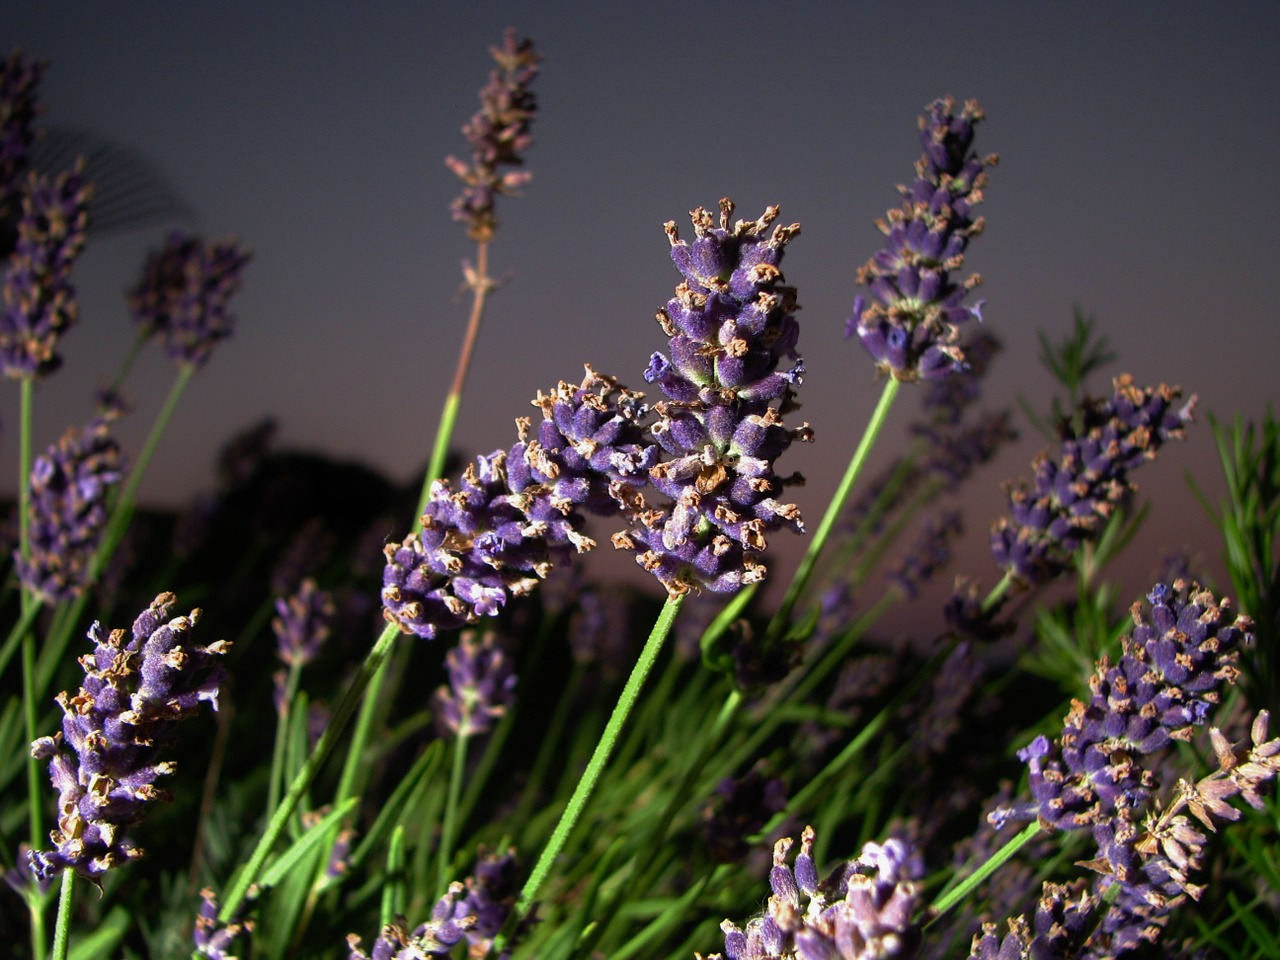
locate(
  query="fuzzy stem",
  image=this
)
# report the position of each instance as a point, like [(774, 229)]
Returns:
[(302, 781), (480, 283), (62, 927), (604, 748), (805, 571)]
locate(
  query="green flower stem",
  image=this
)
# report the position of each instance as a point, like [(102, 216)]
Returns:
[(953, 896), (450, 823), (604, 748), (31, 690), (62, 929), (14, 640), (996, 596), (481, 284), (820, 536), (276, 779), (302, 781)]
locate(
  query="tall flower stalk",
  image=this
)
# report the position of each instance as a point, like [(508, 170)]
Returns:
[(499, 134)]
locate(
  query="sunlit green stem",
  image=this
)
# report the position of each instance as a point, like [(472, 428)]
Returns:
[(302, 781), (820, 536), (62, 927), (450, 824), (282, 734), (953, 896), (604, 748), (481, 284)]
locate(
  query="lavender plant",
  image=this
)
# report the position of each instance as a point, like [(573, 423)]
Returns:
[(638, 807)]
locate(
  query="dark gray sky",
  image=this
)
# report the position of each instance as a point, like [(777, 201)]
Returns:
[(1138, 146)]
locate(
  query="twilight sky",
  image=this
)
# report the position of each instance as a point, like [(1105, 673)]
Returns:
[(1135, 145)]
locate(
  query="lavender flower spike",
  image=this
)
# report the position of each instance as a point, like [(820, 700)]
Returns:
[(70, 484), (498, 134), (518, 514), (481, 686), (862, 911), (1071, 497), (183, 293), (137, 687), (731, 324), (19, 78), (1173, 667), (39, 300), (912, 329)]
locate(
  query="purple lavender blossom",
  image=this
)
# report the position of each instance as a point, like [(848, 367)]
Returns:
[(19, 78), (213, 939), (183, 294), (302, 623), (517, 514), (912, 331), (1063, 920), (948, 398), (929, 554), (499, 135), (1072, 497), (39, 300), (863, 910), (1167, 680), (70, 484), (481, 686), (137, 687), (731, 324), (475, 911)]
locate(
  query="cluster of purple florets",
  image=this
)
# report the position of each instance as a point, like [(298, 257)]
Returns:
[(138, 684), (183, 295), (39, 300), (1170, 675), (499, 135), (1072, 496), (474, 911), (911, 324), (863, 910), (732, 326), (70, 484)]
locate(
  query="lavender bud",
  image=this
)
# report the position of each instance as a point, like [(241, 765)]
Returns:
[(498, 135), (1072, 497), (911, 328), (481, 687), (740, 810), (183, 294), (929, 554), (70, 484), (137, 687), (731, 324), (39, 300)]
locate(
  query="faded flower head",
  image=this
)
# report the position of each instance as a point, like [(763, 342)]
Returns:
[(138, 685), (862, 911), (39, 300), (182, 297), (731, 325), (911, 324), (498, 135), (70, 484), (1072, 496)]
